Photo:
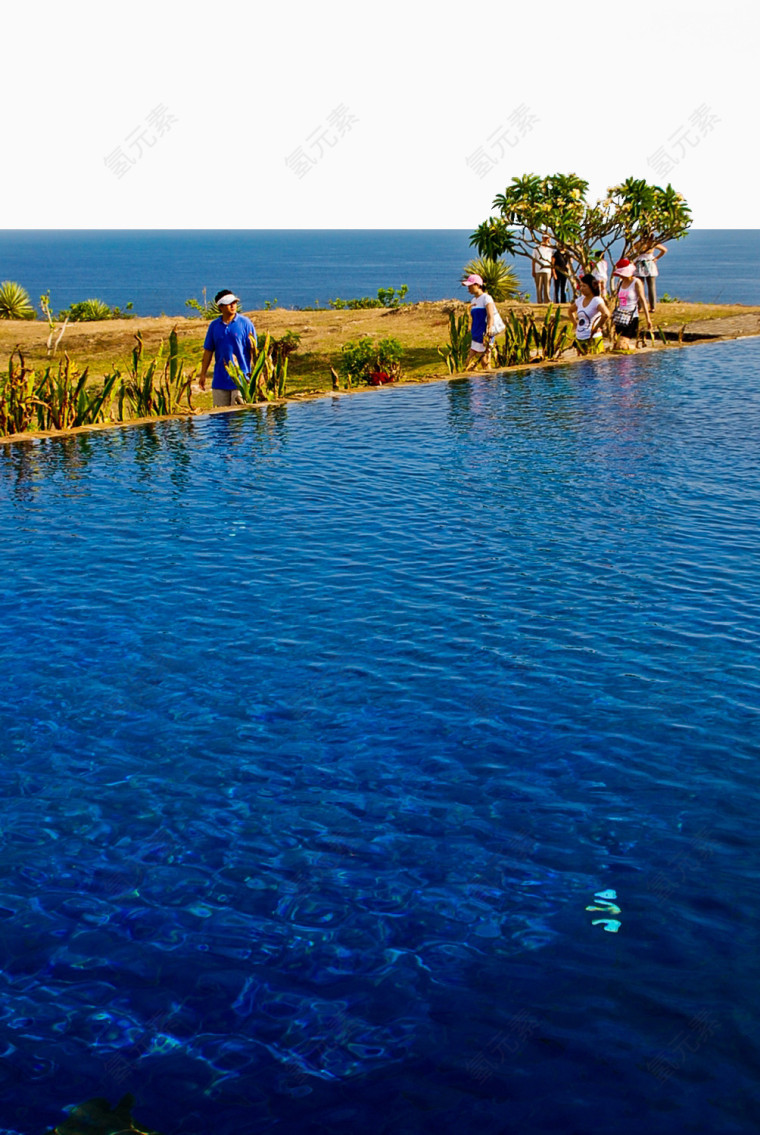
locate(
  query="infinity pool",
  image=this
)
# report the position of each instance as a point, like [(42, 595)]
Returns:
[(323, 726)]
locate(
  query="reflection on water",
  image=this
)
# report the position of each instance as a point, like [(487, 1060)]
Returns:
[(26, 466)]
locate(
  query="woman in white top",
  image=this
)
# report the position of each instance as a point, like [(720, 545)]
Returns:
[(589, 313), (485, 323), (646, 269), (542, 269)]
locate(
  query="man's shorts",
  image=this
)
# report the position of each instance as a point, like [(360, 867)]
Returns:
[(226, 397), (594, 346)]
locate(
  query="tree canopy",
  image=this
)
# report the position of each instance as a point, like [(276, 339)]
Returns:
[(634, 212)]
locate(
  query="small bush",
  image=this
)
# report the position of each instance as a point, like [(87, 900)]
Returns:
[(89, 311), (389, 297), (355, 304), (386, 297), (361, 358)]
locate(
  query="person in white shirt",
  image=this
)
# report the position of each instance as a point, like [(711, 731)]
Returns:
[(600, 271), (542, 269), (485, 320), (589, 313)]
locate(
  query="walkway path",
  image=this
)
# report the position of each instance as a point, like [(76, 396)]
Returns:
[(731, 327)]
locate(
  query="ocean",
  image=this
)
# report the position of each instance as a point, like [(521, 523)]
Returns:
[(158, 270)]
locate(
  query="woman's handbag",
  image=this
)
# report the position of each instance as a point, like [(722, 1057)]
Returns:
[(623, 318)]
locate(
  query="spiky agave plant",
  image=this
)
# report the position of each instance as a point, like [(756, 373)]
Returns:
[(456, 351), (88, 311), (14, 301), (499, 280)]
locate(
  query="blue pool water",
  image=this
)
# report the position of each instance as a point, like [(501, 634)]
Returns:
[(323, 725)]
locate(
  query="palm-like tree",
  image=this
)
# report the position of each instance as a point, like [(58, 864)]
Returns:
[(499, 279), (15, 302)]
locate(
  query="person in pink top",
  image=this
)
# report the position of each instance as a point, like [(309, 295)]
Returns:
[(629, 301)]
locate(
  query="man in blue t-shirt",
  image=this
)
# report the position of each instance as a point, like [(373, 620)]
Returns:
[(228, 340)]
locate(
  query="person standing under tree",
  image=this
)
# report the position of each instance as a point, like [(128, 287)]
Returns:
[(647, 271), (542, 269), (560, 273), (600, 271), (228, 341)]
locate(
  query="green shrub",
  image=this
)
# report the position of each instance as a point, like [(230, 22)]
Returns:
[(67, 401), (386, 297), (355, 304), (389, 355), (360, 358), (90, 311), (389, 297), (15, 302)]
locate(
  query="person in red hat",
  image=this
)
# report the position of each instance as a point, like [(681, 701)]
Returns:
[(629, 301), (486, 323)]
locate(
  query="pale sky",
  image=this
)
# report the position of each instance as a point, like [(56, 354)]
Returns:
[(338, 115)]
